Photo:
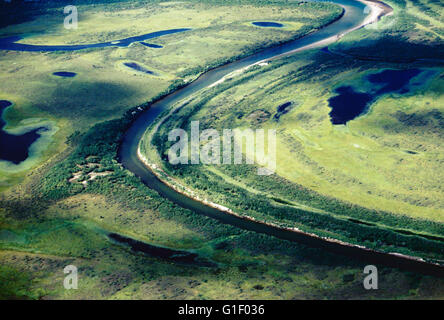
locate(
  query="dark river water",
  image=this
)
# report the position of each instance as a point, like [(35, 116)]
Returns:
[(10, 43), (15, 147), (180, 256), (352, 17)]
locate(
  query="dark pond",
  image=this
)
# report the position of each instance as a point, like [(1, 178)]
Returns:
[(159, 252), (13, 147), (268, 24), (325, 49), (65, 74), (137, 67), (151, 45), (349, 103), (282, 109), (10, 43), (393, 80)]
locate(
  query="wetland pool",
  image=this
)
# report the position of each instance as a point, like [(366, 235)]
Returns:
[(266, 24), (350, 103), (15, 147)]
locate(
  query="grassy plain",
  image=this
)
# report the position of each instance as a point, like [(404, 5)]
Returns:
[(48, 222), (39, 242), (415, 30), (382, 169), (103, 88), (366, 162)]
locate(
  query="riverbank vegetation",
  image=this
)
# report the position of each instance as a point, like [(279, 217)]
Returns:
[(42, 234), (414, 31), (50, 219), (375, 181), (102, 88)]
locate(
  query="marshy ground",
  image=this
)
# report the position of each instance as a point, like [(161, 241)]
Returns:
[(60, 207)]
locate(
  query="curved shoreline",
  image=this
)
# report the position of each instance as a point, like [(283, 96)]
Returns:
[(295, 234), (401, 260), (11, 44)]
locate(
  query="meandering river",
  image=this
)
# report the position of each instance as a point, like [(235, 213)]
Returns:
[(354, 17), (10, 43)]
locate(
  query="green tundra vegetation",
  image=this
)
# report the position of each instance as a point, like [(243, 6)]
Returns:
[(64, 223), (320, 184), (104, 88), (375, 181), (61, 211), (414, 31)]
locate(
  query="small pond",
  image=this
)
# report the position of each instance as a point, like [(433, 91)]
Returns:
[(267, 24), (151, 45), (282, 109), (137, 67), (350, 103), (65, 74), (15, 148)]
